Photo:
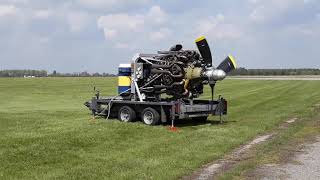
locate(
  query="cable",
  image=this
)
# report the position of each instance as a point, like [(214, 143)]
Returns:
[(110, 102)]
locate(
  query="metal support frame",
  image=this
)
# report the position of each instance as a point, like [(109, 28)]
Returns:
[(173, 113), (163, 114), (138, 91), (135, 89)]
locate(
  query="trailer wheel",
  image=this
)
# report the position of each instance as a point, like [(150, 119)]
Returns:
[(150, 116), (126, 114)]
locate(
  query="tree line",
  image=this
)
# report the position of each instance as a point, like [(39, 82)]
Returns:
[(275, 72), (81, 74), (239, 71), (23, 73), (43, 73)]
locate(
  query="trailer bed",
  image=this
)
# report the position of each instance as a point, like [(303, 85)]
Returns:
[(168, 110)]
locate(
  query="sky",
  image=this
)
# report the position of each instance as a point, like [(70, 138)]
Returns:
[(98, 35)]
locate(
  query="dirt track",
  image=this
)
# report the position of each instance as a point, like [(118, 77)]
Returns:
[(303, 78)]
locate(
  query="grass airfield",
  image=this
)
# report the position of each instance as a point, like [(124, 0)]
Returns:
[(47, 132)]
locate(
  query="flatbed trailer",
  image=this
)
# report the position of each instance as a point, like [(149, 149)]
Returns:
[(154, 113)]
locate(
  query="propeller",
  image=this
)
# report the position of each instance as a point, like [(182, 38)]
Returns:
[(214, 74), (204, 50)]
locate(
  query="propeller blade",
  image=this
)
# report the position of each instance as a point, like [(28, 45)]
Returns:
[(228, 64), (204, 50)]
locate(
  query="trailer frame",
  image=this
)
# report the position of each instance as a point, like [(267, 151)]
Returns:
[(167, 109)]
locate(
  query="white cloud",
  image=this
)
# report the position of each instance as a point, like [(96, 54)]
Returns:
[(110, 4), (217, 27), (122, 45), (264, 11), (160, 35), (253, 1), (7, 10), (114, 24), (77, 21), (42, 14), (156, 15), (44, 40), (110, 33), (309, 1), (311, 30), (16, 2), (97, 3), (258, 14), (207, 25), (120, 21)]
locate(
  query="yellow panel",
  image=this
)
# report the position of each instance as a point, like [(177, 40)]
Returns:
[(233, 61), (200, 38), (124, 81)]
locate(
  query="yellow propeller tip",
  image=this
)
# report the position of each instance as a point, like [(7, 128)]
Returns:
[(233, 61), (200, 38)]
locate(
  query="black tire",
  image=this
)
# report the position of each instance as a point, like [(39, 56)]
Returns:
[(150, 116), (126, 114), (202, 119)]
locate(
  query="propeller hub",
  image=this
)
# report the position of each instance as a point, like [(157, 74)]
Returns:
[(214, 75)]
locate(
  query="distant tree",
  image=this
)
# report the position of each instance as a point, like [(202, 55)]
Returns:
[(84, 74), (54, 73), (96, 75)]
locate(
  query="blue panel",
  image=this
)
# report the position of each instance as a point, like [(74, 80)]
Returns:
[(123, 88), (124, 71)]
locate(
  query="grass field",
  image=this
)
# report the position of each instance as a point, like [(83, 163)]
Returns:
[(46, 132)]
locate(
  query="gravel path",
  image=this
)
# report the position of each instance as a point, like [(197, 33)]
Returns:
[(305, 165)]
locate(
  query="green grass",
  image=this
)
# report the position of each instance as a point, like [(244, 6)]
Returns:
[(46, 131)]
